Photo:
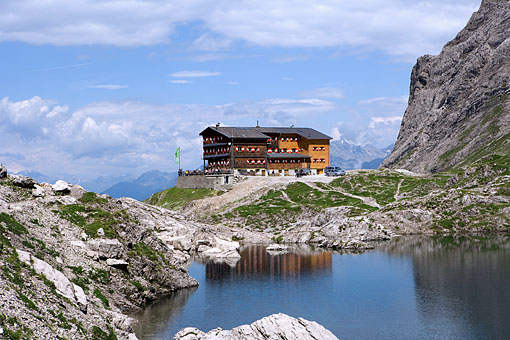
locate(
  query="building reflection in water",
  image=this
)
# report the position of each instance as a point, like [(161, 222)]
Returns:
[(256, 262)]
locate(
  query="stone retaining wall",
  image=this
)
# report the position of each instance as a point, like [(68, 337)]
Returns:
[(215, 182)]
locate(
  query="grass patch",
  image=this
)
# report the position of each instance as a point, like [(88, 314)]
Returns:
[(380, 185), (138, 285), (29, 303), (90, 219), (99, 334), (143, 250), (100, 296), (92, 197), (175, 198), (12, 225)]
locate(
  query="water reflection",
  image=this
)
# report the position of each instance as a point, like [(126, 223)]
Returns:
[(461, 285), (256, 262), (408, 288), (154, 318)]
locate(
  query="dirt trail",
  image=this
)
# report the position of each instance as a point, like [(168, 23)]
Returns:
[(247, 191)]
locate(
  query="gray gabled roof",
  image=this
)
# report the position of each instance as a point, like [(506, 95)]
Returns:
[(238, 132), (262, 132), (307, 133)]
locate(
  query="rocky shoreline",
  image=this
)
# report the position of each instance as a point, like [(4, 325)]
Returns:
[(76, 264)]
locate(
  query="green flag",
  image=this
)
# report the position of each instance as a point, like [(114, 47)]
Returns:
[(178, 156)]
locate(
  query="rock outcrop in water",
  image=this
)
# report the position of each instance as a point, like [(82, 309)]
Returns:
[(273, 327), (458, 105)]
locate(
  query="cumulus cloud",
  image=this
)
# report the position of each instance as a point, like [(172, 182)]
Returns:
[(384, 120), (396, 27), (117, 137), (335, 133), (373, 120), (194, 74)]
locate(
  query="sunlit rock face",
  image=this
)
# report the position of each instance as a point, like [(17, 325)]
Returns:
[(276, 326), (458, 104)]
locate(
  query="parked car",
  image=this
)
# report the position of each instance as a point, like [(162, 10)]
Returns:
[(303, 172), (334, 171)]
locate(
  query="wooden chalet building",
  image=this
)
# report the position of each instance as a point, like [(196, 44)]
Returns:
[(264, 150)]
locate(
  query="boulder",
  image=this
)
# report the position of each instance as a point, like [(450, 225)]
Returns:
[(106, 248), (23, 181), (182, 243), (61, 187), (77, 191), (119, 264), (220, 249), (273, 327), (3, 171), (38, 191)]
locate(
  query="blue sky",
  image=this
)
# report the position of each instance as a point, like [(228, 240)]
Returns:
[(110, 87)]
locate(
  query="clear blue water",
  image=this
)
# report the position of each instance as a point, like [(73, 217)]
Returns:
[(409, 288)]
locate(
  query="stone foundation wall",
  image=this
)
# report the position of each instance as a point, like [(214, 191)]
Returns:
[(215, 182)]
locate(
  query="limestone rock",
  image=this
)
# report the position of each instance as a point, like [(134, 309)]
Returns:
[(119, 264), (3, 171), (23, 181), (77, 191), (273, 327), (38, 191), (220, 248), (62, 284), (61, 186), (458, 102), (106, 248)]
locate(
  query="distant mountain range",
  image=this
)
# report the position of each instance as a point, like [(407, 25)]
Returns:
[(348, 155), (116, 186), (144, 186)]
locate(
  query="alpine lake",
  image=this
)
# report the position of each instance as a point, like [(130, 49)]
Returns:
[(448, 287)]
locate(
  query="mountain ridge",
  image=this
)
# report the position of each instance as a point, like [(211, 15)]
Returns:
[(458, 106)]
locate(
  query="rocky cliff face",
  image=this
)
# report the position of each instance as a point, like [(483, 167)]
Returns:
[(73, 263), (458, 106)]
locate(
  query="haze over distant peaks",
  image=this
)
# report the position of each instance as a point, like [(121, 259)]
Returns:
[(349, 155)]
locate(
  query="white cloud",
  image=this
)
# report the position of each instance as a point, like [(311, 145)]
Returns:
[(335, 133), (130, 136), (384, 120), (62, 67), (194, 74), (374, 120), (181, 81), (210, 42), (397, 27), (234, 83), (108, 87), (394, 100), (324, 92)]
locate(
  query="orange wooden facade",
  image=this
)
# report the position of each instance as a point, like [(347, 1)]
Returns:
[(265, 148)]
